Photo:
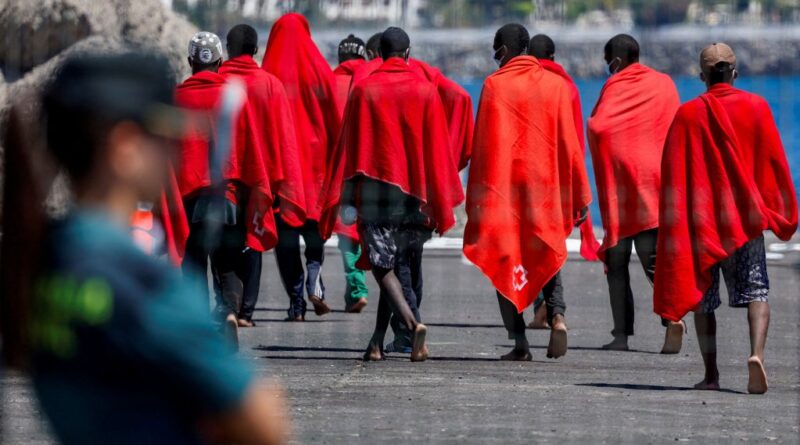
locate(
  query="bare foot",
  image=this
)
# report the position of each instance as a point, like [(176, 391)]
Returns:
[(357, 306), (757, 382), (673, 339), (517, 355), (231, 331), (418, 343), (618, 344), (245, 323), (320, 306), (539, 319), (558, 338), (374, 353), (708, 385)]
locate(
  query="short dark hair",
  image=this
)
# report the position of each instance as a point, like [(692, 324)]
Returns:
[(374, 43), (623, 46), (242, 39), (542, 47), (514, 36), (394, 42)]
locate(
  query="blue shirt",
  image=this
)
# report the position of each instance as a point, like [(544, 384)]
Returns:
[(124, 353)]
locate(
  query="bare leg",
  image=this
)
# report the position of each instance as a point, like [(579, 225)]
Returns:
[(706, 327), (392, 294), (375, 348), (758, 318)]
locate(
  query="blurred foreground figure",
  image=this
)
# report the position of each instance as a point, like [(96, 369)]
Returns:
[(395, 176), (274, 129), (120, 350), (293, 57), (241, 204), (725, 180), (352, 53), (626, 136), (527, 187), (544, 49)]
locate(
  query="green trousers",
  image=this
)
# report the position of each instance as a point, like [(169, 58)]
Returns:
[(355, 278)]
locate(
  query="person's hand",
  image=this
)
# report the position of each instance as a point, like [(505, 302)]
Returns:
[(261, 418), (582, 216)]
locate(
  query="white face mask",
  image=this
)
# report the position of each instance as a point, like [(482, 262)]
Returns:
[(609, 71), (498, 61)]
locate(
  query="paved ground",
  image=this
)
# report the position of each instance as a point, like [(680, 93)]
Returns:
[(464, 395)]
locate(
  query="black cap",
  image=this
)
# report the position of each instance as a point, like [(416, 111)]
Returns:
[(394, 41)]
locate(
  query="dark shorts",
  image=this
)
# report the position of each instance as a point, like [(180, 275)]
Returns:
[(387, 243), (745, 274)]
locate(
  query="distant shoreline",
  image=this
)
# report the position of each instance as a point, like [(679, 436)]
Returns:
[(463, 53)]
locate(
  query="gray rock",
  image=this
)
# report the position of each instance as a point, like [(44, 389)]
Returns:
[(36, 36)]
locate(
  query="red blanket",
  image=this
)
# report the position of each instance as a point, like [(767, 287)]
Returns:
[(310, 86), (365, 70), (173, 219), (273, 120), (344, 80), (395, 131), (457, 107), (201, 94), (527, 181), (626, 136), (725, 180), (589, 244)]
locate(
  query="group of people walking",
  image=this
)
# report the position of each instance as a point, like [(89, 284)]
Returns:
[(372, 151)]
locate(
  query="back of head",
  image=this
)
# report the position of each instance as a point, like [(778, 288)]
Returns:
[(624, 47), (718, 64), (514, 37), (205, 51), (394, 43), (374, 46), (242, 40), (542, 47), (351, 48)]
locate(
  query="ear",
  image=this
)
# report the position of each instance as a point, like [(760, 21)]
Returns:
[(256, 51), (408, 54), (703, 77), (735, 74), (189, 59)]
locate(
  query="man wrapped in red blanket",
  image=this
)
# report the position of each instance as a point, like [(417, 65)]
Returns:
[(626, 136), (527, 186), (725, 180)]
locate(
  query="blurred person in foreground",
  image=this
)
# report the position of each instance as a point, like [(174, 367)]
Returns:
[(119, 348), (544, 49), (352, 53), (245, 195), (274, 128), (394, 175), (293, 57), (527, 187), (627, 130), (725, 180)]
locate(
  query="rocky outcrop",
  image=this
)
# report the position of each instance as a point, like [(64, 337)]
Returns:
[(36, 36)]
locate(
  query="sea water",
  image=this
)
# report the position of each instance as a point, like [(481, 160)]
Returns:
[(782, 93)]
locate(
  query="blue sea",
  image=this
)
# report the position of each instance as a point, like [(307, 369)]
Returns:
[(782, 93)]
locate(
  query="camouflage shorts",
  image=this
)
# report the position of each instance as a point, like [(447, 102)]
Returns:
[(745, 274)]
